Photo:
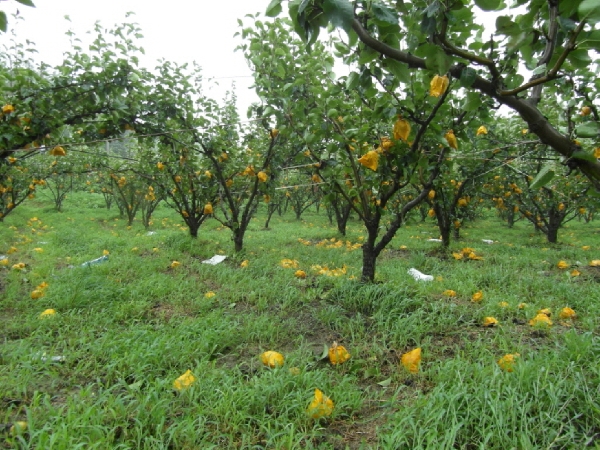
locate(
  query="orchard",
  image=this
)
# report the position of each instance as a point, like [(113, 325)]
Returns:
[(404, 255)]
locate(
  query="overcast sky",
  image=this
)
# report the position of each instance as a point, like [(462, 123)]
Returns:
[(178, 30)]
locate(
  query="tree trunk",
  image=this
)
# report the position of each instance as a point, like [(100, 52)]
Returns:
[(330, 214), (341, 226), (369, 256), (552, 235), (193, 226), (369, 262), (130, 217), (108, 199), (270, 211), (238, 241), (510, 217), (456, 234), (555, 218), (341, 216), (443, 224)]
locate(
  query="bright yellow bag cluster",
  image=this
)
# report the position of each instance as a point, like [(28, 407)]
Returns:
[(451, 139), (438, 85), (184, 381), (370, 160), (321, 406), (272, 359), (411, 360), (338, 354), (507, 362), (401, 129)]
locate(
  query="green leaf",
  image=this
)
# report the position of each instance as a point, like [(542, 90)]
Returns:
[(428, 25), (26, 3), (341, 48), (340, 13), (398, 69), (333, 113), (268, 111), (432, 10), (588, 130), (506, 26), (467, 77), (566, 24), (540, 70), (325, 353), (489, 5), (384, 14), (302, 6), (367, 55), (274, 8), (3, 21), (589, 40), (438, 60), (580, 154), (589, 10), (385, 383), (580, 58), (352, 80), (527, 55), (517, 41), (545, 175)]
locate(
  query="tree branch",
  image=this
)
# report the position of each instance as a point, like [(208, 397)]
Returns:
[(536, 121), (536, 93), (453, 50), (552, 73)]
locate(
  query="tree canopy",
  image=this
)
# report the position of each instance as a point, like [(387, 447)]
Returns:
[(553, 42)]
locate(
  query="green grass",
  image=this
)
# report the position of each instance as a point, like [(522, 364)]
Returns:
[(129, 327)]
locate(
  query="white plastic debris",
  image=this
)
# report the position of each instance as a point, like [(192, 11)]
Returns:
[(215, 260), (53, 358), (95, 261), (43, 357), (434, 240), (419, 276), (487, 241), (150, 233)]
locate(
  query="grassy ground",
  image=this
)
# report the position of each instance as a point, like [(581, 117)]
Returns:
[(128, 327)]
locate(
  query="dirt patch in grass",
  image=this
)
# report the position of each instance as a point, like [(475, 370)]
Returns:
[(361, 430), (61, 265), (245, 359), (448, 345), (587, 272), (164, 312), (391, 253), (440, 253), (11, 329), (358, 433), (311, 328)]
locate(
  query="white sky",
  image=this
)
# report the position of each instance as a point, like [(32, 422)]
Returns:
[(178, 30)]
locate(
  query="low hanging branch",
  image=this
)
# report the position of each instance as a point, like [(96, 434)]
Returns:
[(537, 122)]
